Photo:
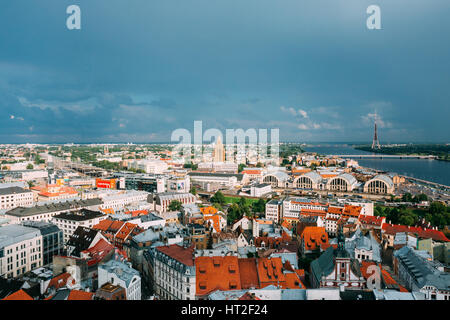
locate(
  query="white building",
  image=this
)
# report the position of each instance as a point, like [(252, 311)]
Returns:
[(68, 222), (119, 273), (149, 166), (45, 211), (21, 250), (218, 166), (274, 210), (227, 180), (118, 200), (260, 189), (161, 201), (13, 197)]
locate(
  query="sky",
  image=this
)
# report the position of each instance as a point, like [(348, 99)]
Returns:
[(140, 69)]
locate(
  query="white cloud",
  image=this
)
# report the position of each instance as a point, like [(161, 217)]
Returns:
[(289, 110), (303, 113)]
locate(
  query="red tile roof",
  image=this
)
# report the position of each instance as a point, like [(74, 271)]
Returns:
[(59, 281), (80, 295), (19, 295), (216, 273), (436, 235), (208, 210), (372, 220), (179, 253), (248, 273), (98, 252), (270, 271), (313, 238)]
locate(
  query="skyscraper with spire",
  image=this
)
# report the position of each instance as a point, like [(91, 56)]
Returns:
[(219, 151)]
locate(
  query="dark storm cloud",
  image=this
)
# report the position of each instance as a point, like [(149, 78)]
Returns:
[(139, 69)]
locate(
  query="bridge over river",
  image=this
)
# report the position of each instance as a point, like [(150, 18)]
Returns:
[(386, 156)]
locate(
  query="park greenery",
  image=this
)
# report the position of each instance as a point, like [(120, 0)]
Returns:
[(238, 207), (437, 214)]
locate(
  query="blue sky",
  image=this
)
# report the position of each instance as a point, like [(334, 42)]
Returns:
[(139, 69)]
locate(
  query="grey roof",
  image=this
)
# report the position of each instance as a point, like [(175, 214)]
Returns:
[(14, 233), (280, 175), (384, 178), (13, 190), (44, 227), (52, 207), (147, 235), (422, 271), (359, 241), (313, 175), (121, 270), (80, 215), (348, 177), (323, 265)]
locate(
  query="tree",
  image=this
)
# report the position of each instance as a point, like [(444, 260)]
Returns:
[(30, 184), (241, 167), (30, 166), (407, 197), (219, 198), (242, 202), (259, 206), (193, 190), (421, 197), (234, 213), (175, 205)]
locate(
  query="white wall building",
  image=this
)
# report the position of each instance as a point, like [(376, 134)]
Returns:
[(13, 197), (149, 166), (260, 189), (21, 250), (68, 222)]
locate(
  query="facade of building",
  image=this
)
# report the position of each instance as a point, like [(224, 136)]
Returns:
[(173, 271), (45, 212), (421, 274), (161, 201), (260, 190), (149, 166), (13, 197), (52, 239), (21, 250), (68, 222)]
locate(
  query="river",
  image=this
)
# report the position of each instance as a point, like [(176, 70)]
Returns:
[(425, 169)]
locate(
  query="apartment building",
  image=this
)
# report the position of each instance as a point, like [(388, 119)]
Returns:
[(21, 250), (173, 272), (45, 212), (12, 197), (68, 222)]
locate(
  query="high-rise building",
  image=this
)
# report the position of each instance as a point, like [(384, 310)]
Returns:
[(219, 151)]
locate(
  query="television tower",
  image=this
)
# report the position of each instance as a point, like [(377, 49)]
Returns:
[(375, 142)]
